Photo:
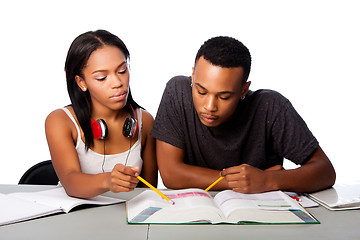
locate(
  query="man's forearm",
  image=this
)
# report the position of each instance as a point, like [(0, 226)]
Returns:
[(318, 173), (187, 176)]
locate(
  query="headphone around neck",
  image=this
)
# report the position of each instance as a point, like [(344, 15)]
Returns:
[(100, 129)]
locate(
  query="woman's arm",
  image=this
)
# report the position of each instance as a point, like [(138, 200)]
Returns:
[(61, 135)]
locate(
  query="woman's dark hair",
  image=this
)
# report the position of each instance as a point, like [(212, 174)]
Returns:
[(226, 52), (77, 57)]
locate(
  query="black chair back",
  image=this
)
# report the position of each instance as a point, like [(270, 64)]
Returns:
[(42, 173)]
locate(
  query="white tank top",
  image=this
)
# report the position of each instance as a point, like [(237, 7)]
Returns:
[(92, 162)]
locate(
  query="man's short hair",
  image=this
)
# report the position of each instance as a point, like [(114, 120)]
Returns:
[(226, 52)]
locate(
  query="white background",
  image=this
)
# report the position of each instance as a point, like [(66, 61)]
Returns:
[(307, 50)]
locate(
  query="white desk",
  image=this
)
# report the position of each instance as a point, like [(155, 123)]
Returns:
[(109, 222)]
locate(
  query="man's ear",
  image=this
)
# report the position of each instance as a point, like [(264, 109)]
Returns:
[(245, 88), (81, 83), (192, 75)]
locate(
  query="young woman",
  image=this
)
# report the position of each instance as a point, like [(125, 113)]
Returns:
[(89, 150)]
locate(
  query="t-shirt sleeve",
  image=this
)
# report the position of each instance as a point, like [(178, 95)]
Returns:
[(168, 122), (292, 137)]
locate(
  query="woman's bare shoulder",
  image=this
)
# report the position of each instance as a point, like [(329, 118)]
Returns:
[(58, 119)]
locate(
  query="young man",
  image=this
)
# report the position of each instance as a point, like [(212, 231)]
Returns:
[(211, 124)]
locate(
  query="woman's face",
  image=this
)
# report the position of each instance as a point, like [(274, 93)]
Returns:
[(106, 77)]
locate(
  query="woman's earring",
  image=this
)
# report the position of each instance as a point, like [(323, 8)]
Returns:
[(243, 97)]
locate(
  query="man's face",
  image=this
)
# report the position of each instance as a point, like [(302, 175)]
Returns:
[(216, 91)]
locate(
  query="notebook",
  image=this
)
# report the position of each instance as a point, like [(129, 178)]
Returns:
[(22, 206), (342, 196)]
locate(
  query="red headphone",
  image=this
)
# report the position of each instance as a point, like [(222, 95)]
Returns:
[(100, 129)]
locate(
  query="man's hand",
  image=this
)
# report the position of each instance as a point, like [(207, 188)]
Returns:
[(249, 179)]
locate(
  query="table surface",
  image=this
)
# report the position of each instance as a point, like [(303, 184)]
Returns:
[(109, 222)]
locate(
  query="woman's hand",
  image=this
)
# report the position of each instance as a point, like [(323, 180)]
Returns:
[(123, 178)]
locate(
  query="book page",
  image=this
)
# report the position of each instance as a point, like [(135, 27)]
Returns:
[(57, 198), (191, 205), (15, 210), (302, 199), (268, 207)]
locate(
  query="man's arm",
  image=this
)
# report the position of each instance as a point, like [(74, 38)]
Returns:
[(316, 174), (178, 175)]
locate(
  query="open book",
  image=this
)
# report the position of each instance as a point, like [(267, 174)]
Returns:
[(342, 196), (21, 206), (197, 206)]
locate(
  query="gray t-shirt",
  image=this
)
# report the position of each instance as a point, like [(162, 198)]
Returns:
[(264, 130)]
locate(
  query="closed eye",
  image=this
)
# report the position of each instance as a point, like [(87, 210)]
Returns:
[(122, 71), (200, 89), (123, 68), (100, 78), (225, 97)]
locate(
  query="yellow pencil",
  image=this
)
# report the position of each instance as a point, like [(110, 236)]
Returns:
[(213, 184), (157, 191)]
